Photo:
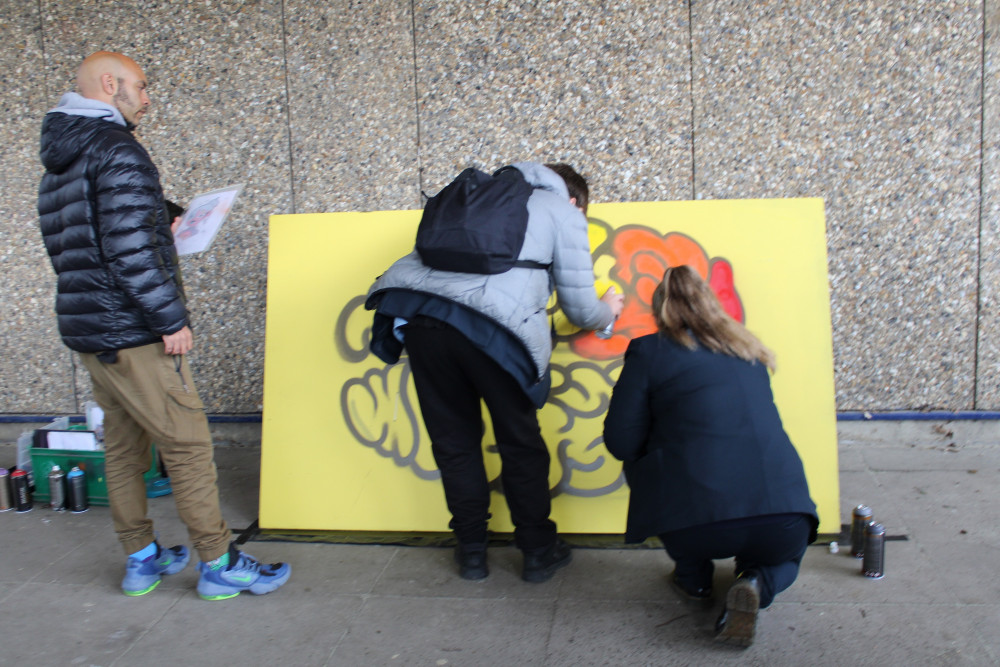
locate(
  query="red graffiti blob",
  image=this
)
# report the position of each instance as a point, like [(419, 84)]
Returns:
[(641, 256)]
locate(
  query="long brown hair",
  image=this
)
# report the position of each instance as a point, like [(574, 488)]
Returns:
[(687, 311)]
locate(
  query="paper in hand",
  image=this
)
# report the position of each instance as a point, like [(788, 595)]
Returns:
[(203, 219)]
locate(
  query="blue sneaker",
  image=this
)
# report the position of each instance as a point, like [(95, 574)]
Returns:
[(159, 487), (244, 573), (142, 576)]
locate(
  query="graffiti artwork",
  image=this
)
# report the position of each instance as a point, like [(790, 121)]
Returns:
[(379, 406), (364, 428)]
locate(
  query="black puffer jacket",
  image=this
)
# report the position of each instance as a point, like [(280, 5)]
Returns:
[(105, 225)]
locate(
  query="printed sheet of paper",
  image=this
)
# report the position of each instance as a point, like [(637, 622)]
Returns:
[(203, 219)]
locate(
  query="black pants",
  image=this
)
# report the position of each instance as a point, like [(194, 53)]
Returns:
[(452, 376), (773, 545)]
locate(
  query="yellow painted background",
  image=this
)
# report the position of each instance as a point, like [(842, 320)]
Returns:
[(317, 475)]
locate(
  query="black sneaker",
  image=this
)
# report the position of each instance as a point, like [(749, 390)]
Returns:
[(471, 559), (541, 564), (738, 622)]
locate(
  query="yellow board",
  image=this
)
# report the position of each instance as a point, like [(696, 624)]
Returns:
[(343, 444)]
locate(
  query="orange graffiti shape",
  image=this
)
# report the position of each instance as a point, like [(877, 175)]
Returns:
[(641, 256)]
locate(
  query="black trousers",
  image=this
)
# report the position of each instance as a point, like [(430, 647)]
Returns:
[(451, 377), (773, 545)]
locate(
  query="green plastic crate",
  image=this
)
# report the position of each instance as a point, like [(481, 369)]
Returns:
[(91, 463)]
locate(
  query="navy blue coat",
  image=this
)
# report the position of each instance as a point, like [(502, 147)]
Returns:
[(701, 440)]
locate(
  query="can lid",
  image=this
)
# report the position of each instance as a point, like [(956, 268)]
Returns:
[(56, 468), (75, 472), (18, 473), (875, 528)]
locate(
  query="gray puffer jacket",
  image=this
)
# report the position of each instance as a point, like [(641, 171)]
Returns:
[(516, 300)]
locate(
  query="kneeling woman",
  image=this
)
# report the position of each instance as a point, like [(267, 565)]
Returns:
[(710, 468)]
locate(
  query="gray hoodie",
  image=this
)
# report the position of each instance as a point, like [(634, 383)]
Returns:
[(75, 104)]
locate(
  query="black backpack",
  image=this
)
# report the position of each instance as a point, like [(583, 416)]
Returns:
[(476, 223)]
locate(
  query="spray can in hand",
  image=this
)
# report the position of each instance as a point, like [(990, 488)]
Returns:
[(608, 331)]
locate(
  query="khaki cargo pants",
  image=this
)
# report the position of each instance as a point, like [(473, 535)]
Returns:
[(148, 396)]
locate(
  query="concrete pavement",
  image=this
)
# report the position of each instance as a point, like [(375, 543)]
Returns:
[(933, 484)]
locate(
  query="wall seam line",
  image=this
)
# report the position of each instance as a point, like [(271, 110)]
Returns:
[(416, 104), (288, 105), (691, 91), (41, 45), (74, 376), (979, 236)]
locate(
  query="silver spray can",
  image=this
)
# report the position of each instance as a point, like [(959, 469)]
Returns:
[(76, 492), (57, 489), (6, 504), (608, 331), (873, 563), (860, 518)]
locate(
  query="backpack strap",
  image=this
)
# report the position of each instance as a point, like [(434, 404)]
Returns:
[(512, 173), (531, 264)]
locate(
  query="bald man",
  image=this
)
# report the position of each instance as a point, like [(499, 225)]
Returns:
[(120, 305)]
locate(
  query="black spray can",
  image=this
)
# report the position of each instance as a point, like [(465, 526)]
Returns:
[(20, 490), (6, 504), (860, 518), (76, 492), (57, 489), (873, 564)]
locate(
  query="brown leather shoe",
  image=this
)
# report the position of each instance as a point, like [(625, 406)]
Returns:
[(738, 621)]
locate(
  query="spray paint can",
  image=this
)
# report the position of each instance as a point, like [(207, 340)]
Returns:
[(21, 492), (57, 489), (6, 504), (608, 331), (873, 564), (76, 492), (860, 518)]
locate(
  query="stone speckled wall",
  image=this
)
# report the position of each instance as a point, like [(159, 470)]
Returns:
[(879, 108)]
